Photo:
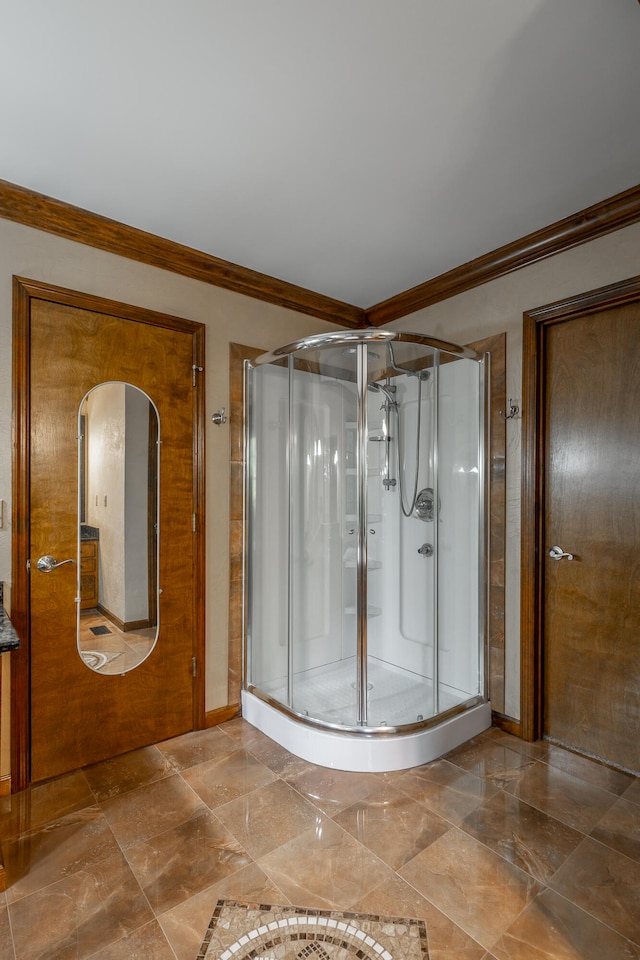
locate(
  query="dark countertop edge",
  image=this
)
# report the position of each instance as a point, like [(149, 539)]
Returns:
[(9, 639)]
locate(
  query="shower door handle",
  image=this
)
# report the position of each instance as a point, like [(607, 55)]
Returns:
[(557, 553)]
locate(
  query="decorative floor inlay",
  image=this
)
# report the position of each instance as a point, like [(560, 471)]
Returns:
[(96, 659), (258, 931)]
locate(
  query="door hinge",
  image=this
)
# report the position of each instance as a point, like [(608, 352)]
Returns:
[(194, 667), (194, 369), (193, 523)]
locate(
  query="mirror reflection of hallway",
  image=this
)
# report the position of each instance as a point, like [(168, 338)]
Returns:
[(118, 477)]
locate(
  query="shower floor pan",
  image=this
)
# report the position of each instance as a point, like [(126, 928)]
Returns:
[(396, 697)]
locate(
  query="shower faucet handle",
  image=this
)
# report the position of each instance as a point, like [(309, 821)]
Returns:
[(424, 508), (426, 550)]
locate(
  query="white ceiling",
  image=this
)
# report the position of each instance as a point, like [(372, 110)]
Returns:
[(353, 147)]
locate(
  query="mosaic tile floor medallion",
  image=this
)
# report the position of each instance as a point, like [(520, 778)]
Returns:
[(252, 931)]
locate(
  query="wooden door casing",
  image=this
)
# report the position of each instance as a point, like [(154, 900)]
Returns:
[(580, 674), (76, 716)]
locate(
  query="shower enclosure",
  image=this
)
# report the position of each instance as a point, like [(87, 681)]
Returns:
[(365, 548)]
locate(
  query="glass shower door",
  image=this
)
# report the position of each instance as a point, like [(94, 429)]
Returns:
[(322, 574), (402, 545), (267, 499)]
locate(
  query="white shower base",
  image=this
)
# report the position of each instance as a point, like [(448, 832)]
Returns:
[(396, 697)]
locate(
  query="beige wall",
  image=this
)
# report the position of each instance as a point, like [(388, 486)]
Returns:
[(492, 308), (497, 307), (228, 316)]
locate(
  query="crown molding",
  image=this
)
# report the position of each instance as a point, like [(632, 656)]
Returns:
[(618, 211), (74, 223)]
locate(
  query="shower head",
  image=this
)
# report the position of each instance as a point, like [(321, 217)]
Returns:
[(387, 389)]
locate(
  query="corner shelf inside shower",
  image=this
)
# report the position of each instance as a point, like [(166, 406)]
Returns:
[(371, 564), (371, 472), (351, 519), (376, 433), (352, 471), (371, 611)]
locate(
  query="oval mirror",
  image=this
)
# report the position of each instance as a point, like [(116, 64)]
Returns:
[(118, 486)]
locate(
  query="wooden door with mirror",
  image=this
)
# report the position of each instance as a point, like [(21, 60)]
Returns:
[(91, 375), (587, 513)]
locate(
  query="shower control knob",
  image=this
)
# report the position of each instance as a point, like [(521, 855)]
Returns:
[(426, 550), (424, 507)]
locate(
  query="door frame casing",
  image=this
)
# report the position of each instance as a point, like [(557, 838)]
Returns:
[(535, 324), (24, 291)]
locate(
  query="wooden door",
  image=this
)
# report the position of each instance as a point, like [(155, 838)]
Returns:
[(78, 716), (591, 603)]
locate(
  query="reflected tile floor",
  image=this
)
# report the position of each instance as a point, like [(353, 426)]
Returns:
[(109, 650), (507, 850)]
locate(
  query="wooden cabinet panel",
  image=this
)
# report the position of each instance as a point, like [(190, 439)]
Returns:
[(88, 574)]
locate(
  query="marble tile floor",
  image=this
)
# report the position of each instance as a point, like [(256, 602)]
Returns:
[(508, 850)]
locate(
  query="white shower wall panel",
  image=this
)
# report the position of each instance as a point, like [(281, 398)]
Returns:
[(403, 587), (316, 501), (416, 571)]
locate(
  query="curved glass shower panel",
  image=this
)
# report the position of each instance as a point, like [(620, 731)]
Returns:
[(401, 627), (267, 524), (322, 530), (460, 628)]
